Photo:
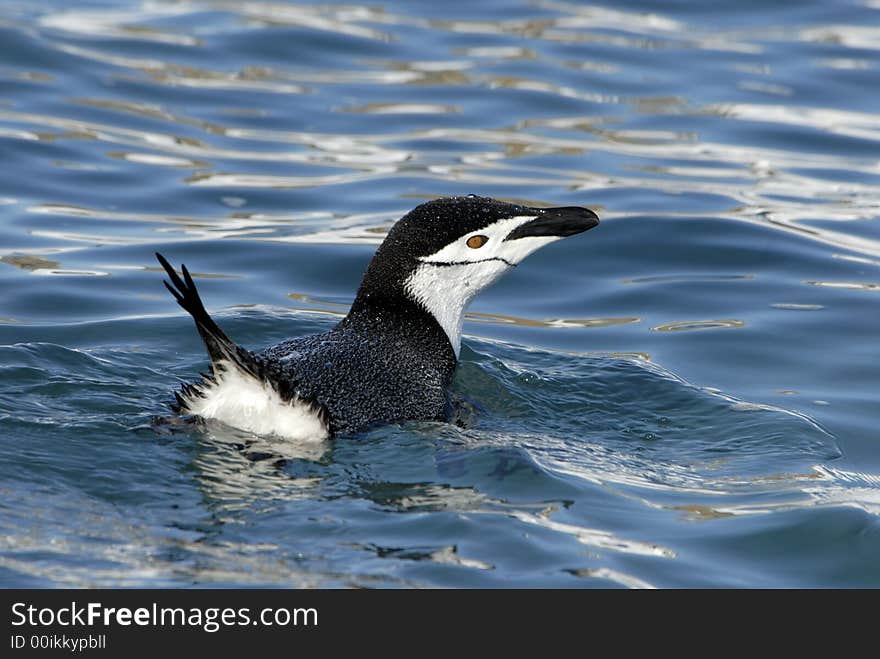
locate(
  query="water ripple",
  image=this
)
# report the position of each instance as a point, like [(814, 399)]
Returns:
[(734, 162)]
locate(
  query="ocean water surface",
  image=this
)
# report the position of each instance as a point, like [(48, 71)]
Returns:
[(685, 396)]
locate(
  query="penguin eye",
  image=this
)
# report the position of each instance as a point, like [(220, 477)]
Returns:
[(475, 242)]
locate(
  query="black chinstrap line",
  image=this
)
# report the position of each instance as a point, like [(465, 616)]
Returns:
[(444, 264)]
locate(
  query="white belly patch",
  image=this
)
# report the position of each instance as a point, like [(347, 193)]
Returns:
[(240, 400)]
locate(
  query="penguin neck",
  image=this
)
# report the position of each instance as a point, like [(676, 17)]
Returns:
[(395, 313)]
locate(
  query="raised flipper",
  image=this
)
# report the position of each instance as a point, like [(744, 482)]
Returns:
[(220, 347)]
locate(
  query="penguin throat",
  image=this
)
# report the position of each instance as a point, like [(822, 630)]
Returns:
[(445, 291)]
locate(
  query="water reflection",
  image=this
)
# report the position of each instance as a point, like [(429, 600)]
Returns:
[(789, 306), (668, 279), (341, 20), (121, 23), (854, 285), (37, 265), (237, 472), (402, 108), (434, 497), (626, 580), (780, 200), (447, 555), (29, 262), (501, 319), (691, 325)]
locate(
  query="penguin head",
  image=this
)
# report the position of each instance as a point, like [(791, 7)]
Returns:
[(444, 252)]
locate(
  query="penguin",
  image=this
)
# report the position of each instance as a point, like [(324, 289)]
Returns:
[(393, 356)]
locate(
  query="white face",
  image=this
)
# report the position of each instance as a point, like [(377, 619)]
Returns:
[(445, 282)]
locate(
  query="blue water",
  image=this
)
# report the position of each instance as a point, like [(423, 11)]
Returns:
[(684, 396)]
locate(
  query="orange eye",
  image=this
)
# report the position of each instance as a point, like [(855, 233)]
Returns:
[(475, 242)]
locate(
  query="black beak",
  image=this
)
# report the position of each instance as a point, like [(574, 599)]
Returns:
[(557, 222)]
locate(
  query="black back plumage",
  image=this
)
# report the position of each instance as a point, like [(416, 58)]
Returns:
[(369, 371)]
